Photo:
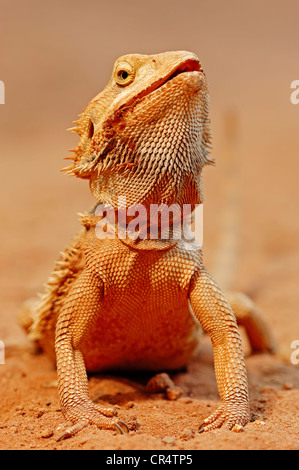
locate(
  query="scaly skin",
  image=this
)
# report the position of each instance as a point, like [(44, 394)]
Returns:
[(139, 304)]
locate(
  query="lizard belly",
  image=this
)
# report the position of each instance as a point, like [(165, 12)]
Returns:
[(145, 320), (141, 335)]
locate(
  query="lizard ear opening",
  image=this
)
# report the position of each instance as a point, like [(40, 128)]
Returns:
[(90, 129)]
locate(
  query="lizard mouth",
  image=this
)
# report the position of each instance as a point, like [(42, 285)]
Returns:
[(190, 65)]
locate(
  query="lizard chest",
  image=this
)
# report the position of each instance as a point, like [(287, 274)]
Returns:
[(145, 321)]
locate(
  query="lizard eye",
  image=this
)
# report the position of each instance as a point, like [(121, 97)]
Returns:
[(124, 74)]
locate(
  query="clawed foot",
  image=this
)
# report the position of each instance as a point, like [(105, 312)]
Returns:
[(91, 413), (226, 417)]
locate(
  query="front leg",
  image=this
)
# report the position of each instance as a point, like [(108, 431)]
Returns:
[(217, 319), (80, 310)]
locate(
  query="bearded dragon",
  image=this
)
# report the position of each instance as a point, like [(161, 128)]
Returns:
[(140, 303)]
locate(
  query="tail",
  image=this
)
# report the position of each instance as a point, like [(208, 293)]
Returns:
[(226, 255)]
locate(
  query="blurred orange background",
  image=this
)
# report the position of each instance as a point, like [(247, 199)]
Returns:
[(55, 56)]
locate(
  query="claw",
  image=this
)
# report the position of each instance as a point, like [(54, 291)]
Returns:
[(124, 426), (119, 429), (201, 428), (65, 435), (69, 432)]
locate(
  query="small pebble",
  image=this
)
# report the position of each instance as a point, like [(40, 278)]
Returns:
[(187, 433), (259, 422), (129, 405), (168, 440), (47, 433), (40, 412), (19, 408), (159, 383), (238, 428), (173, 393)]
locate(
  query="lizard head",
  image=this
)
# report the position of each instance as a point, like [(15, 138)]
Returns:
[(149, 126)]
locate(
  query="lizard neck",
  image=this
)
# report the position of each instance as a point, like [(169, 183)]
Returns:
[(156, 227)]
